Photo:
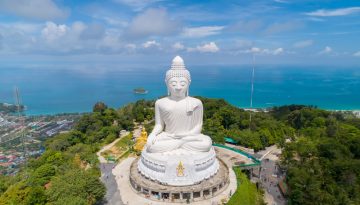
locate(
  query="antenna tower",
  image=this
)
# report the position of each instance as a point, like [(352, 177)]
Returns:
[(252, 88), (22, 123)]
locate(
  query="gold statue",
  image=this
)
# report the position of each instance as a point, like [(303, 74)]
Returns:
[(180, 169), (141, 141)]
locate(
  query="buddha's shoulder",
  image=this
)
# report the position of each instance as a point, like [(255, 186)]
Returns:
[(162, 101), (166, 100), (195, 100)]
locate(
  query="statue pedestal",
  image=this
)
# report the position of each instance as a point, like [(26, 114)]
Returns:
[(179, 167), (164, 194)]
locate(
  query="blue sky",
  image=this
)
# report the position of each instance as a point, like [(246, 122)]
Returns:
[(148, 32)]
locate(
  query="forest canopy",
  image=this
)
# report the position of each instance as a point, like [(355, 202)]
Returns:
[(321, 152)]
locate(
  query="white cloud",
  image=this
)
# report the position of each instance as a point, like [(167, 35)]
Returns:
[(243, 43), (263, 51), (110, 42), (113, 21), (315, 19), (326, 50), (255, 50), (357, 54), (109, 16), (303, 44), (137, 5), (24, 27), (281, 1), (206, 48), (53, 39), (334, 12), (152, 22), (202, 31), (149, 44), (35, 9), (130, 46), (283, 27), (246, 26), (52, 31), (93, 31), (278, 51), (178, 46)]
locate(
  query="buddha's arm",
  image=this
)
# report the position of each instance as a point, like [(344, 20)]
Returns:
[(159, 125)]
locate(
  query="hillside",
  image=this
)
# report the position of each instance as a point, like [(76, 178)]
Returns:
[(322, 159)]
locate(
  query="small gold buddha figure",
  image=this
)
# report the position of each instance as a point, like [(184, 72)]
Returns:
[(141, 141), (180, 169)]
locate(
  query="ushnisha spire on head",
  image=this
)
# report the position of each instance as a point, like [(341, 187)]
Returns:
[(177, 69)]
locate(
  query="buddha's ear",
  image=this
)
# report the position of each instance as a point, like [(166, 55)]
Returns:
[(188, 88)]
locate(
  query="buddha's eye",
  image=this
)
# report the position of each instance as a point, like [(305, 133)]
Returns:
[(173, 83), (182, 83)]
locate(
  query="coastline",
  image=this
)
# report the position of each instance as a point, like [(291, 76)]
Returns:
[(29, 113), (356, 112)]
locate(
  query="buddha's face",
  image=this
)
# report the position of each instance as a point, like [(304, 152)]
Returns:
[(178, 86)]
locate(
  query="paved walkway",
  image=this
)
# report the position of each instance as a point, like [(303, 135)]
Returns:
[(270, 176), (112, 196), (267, 152), (231, 158), (129, 197)]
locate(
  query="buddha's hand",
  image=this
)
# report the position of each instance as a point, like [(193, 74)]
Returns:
[(181, 135)]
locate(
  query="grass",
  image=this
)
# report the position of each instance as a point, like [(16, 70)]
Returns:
[(125, 142), (246, 192), (120, 149)]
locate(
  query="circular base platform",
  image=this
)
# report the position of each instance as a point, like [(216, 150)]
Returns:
[(205, 189), (163, 167)]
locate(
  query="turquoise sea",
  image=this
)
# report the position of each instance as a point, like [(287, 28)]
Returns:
[(72, 89)]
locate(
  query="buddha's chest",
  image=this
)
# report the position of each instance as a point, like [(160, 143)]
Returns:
[(175, 110)]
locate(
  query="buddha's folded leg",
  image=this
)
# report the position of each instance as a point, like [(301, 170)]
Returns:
[(164, 143), (164, 146), (201, 143)]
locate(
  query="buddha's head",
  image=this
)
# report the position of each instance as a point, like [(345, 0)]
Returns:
[(178, 79)]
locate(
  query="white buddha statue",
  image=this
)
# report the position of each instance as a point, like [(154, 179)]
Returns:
[(178, 117), (176, 152)]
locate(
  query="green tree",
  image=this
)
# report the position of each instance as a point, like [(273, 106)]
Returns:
[(99, 107), (214, 129), (42, 174), (76, 183)]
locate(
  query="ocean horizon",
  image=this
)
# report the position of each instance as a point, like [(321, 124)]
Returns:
[(76, 89)]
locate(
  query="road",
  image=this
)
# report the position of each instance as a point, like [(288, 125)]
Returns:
[(270, 177), (112, 196)]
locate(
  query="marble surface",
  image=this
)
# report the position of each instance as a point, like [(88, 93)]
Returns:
[(162, 167)]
